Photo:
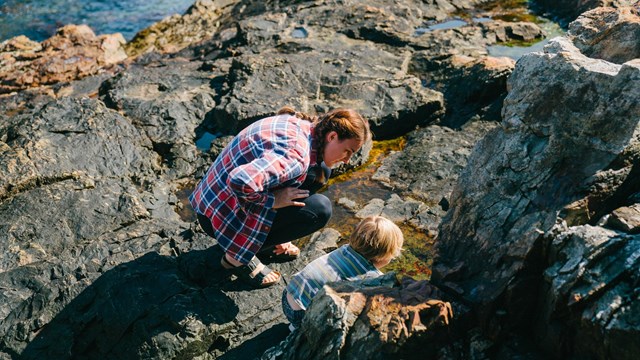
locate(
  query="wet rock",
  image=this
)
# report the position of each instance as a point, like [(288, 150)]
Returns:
[(72, 53), (372, 319)]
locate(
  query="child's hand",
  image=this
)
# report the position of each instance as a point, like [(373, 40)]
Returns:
[(286, 196)]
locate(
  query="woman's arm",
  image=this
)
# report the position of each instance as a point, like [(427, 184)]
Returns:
[(251, 182)]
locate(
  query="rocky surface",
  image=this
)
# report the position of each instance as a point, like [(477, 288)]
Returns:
[(104, 259), (552, 161), (201, 21), (569, 10), (72, 53), (621, 24)]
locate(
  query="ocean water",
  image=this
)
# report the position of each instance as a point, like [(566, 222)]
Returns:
[(39, 19)]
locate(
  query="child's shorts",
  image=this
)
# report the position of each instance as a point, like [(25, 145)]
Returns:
[(294, 316)]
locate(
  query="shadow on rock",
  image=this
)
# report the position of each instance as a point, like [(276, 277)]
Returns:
[(146, 308), (259, 344)]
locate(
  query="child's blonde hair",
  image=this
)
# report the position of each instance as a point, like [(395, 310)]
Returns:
[(376, 238)]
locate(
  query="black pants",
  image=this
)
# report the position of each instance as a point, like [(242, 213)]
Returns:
[(294, 222)]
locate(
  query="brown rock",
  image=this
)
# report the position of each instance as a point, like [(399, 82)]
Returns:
[(369, 319), (626, 218), (608, 33), (73, 53)]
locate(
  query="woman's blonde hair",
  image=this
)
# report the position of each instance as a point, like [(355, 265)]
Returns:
[(376, 238)]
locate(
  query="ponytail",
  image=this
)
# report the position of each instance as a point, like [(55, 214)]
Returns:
[(300, 115)]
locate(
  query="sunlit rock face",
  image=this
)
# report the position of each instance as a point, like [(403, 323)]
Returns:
[(73, 53)]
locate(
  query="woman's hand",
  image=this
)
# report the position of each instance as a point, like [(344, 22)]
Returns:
[(286, 196)]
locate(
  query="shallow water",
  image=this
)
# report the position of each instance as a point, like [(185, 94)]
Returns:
[(515, 52), (39, 19)]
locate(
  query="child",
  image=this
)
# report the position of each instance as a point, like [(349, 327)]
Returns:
[(374, 243)]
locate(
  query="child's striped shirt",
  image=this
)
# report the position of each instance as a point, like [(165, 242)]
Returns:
[(343, 263)]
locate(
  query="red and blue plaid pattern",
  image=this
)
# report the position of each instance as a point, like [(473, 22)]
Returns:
[(236, 192)]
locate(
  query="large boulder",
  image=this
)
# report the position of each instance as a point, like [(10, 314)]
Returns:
[(568, 140)]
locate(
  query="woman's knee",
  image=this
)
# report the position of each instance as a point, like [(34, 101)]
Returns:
[(320, 206)]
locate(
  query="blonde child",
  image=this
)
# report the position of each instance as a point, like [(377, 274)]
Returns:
[(374, 243)]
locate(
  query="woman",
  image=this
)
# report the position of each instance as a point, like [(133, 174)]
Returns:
[(260, 191)]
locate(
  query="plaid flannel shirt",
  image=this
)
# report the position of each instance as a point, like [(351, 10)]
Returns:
[(236, 192)]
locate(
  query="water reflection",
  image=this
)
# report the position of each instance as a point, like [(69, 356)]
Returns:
[(39, 19), (451, 24), (203, 143), (300, 33)]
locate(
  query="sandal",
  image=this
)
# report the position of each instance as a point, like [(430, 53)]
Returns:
[(266, 253), (243, 272)]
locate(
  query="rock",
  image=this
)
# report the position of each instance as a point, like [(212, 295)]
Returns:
[(312, 81), (71, 139), (169, 102), (473, 88), (592, 279), (72, 53), (569, 10), (371, 319), (626, 218), (507, 31), (547, 155), (348, 204), (101, 260), (607, 33), (429, 165)]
